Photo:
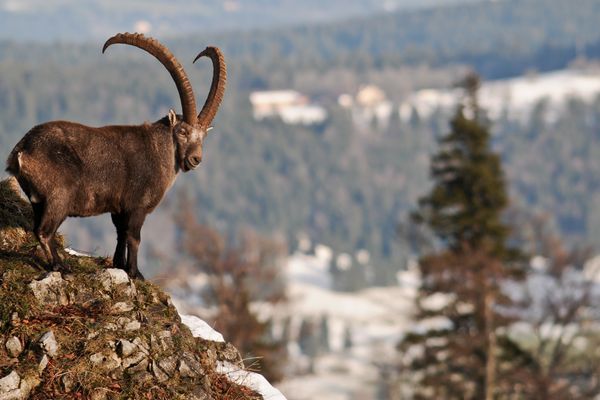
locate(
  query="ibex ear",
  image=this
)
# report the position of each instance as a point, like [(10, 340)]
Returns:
[(172, 118)]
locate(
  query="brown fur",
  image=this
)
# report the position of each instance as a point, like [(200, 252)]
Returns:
[(71, 170)]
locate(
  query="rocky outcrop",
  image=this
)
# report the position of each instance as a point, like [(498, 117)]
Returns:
[(93, 333)]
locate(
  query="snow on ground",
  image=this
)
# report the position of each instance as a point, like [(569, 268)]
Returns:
[(77, 253), (249, 379), (201, 329), (515, 97), (376, 318)]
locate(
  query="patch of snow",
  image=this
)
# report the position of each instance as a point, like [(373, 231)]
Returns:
[(344, 261), (591, 269), (252, 380), (514, 97), (249, 379), (539, 263), (201, 329), (363, 256), (310, 270), (291, 106), (77, 253), (324, 253), (437, 301)]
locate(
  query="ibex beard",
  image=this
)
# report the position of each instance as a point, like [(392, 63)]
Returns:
[(71, 170)]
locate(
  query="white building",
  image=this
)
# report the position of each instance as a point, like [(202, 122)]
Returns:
[(289, 105), (369, 103)]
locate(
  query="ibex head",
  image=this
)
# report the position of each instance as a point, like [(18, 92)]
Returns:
[(190, 131)]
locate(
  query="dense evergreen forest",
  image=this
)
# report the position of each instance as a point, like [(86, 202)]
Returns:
[(344, 185)]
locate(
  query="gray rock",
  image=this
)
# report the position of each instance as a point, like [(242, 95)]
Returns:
[(230, 353), (121, 307), (158, 373), (132, 326), (128, 324), (162, 342), (43, 363), (13, 346), (142, 345), (168, 365), (22, 391), (125, 348), (27, 384), (50, 290), (136, 362), (48, 344), (13, 395), (10, 382), (67, 382), (106, 362), (111, 277), (190, 366)]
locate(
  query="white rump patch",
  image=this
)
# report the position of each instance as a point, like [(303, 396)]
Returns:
[(19, 155)]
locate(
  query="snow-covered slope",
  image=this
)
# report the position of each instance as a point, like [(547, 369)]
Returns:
[(363, 329), (514, 97)]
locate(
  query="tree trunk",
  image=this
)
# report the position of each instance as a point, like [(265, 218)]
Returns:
[(490, 365)]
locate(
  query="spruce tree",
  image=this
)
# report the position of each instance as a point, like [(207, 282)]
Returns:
[(454, 355)]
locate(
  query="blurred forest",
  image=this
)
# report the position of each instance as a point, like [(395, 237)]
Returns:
[(344, 185)]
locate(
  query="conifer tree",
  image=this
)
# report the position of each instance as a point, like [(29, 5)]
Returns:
[(454, 355)]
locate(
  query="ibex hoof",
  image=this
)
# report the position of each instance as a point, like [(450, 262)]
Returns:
[(60, 267), (137, 275)]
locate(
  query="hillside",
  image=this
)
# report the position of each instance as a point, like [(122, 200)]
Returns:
[(93, 333)]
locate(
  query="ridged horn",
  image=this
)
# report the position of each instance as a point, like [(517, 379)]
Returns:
[(168, 60), (217, 87)]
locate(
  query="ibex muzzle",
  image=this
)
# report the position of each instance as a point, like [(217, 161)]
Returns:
[(72, 170)]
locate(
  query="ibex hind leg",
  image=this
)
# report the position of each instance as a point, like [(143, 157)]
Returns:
[(120, 257), (46, 220)]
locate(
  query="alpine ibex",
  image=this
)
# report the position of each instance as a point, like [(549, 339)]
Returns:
[(71, 170)]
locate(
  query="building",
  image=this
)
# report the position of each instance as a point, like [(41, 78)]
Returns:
[(289, 105)]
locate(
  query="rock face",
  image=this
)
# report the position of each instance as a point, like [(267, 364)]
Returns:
[(94, 333)]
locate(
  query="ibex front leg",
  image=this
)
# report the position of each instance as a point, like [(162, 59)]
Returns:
[(134, 227)]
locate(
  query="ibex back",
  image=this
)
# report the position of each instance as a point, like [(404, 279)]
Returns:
[(71, 170)]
